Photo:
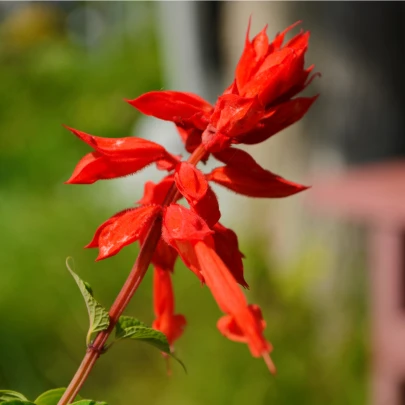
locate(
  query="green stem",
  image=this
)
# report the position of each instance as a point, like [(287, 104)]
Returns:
[(131, 284)]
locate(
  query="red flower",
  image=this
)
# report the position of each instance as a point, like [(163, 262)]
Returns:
[(166, 321), (191, 237), (258, 104)]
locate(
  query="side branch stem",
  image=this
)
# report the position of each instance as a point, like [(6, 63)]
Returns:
[(131, 284)]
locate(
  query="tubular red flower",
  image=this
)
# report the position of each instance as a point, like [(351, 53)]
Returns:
[(230, 299), (169, 323)]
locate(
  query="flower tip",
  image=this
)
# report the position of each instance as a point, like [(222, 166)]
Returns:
[(269, 363)]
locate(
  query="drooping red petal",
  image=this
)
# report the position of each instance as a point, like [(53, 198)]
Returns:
[(244, 176), (94, 166), (175, 106), (193, 185), (156, 193), (166, 321), (228, 326), (124, 229), (279, 118), (227, 248)]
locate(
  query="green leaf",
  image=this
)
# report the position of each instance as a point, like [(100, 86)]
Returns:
[(17, 402), (98, 316), (89, 402), (51, 397), (124, 323), (7, 395), (131, 328)]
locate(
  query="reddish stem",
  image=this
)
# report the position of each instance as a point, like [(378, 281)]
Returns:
[(131, 284)]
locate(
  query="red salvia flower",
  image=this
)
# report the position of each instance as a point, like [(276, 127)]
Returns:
[(259, 103), (171, 324)]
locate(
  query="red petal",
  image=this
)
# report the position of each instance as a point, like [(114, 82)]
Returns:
[(94, 166), (279, 118), (94, 241), (228, 326), (247, 62), (234, 115), (261, 44), (271, 83), (156, 193), (190, 182), (168, 323), (244, 176), (125, 229), (181, 224), (174, 106), (227, 248), (278, 40), (123, 148), (191, 138), (208, 208), (193, 185), (165, 256)]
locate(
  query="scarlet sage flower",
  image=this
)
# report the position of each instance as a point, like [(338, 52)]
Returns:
[(260, 102)]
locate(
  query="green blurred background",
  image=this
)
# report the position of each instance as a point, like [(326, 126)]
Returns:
[(48, 76)]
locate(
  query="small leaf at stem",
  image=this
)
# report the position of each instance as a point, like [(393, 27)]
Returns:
[(51, 397), (131, 328), (89, 402), (7, 395), (124, 323), (98, 316)]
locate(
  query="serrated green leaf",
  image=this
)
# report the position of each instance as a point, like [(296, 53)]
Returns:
[(98, 316), (131, 328), (126, 322), (89, 402), (8, 395)]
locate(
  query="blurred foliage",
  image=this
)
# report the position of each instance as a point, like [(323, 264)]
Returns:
[(48, 79)]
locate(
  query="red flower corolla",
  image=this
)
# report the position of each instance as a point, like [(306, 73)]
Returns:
[(260, 102), (171, 324)]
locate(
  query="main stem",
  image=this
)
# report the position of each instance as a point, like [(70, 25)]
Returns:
[(131, 284)]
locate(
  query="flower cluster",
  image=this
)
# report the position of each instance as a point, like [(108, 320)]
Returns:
[(260, 102)]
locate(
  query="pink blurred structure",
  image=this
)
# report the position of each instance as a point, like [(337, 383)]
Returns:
[(375, 195)]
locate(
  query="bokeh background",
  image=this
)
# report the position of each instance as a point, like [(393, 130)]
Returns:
[(73, 63)]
